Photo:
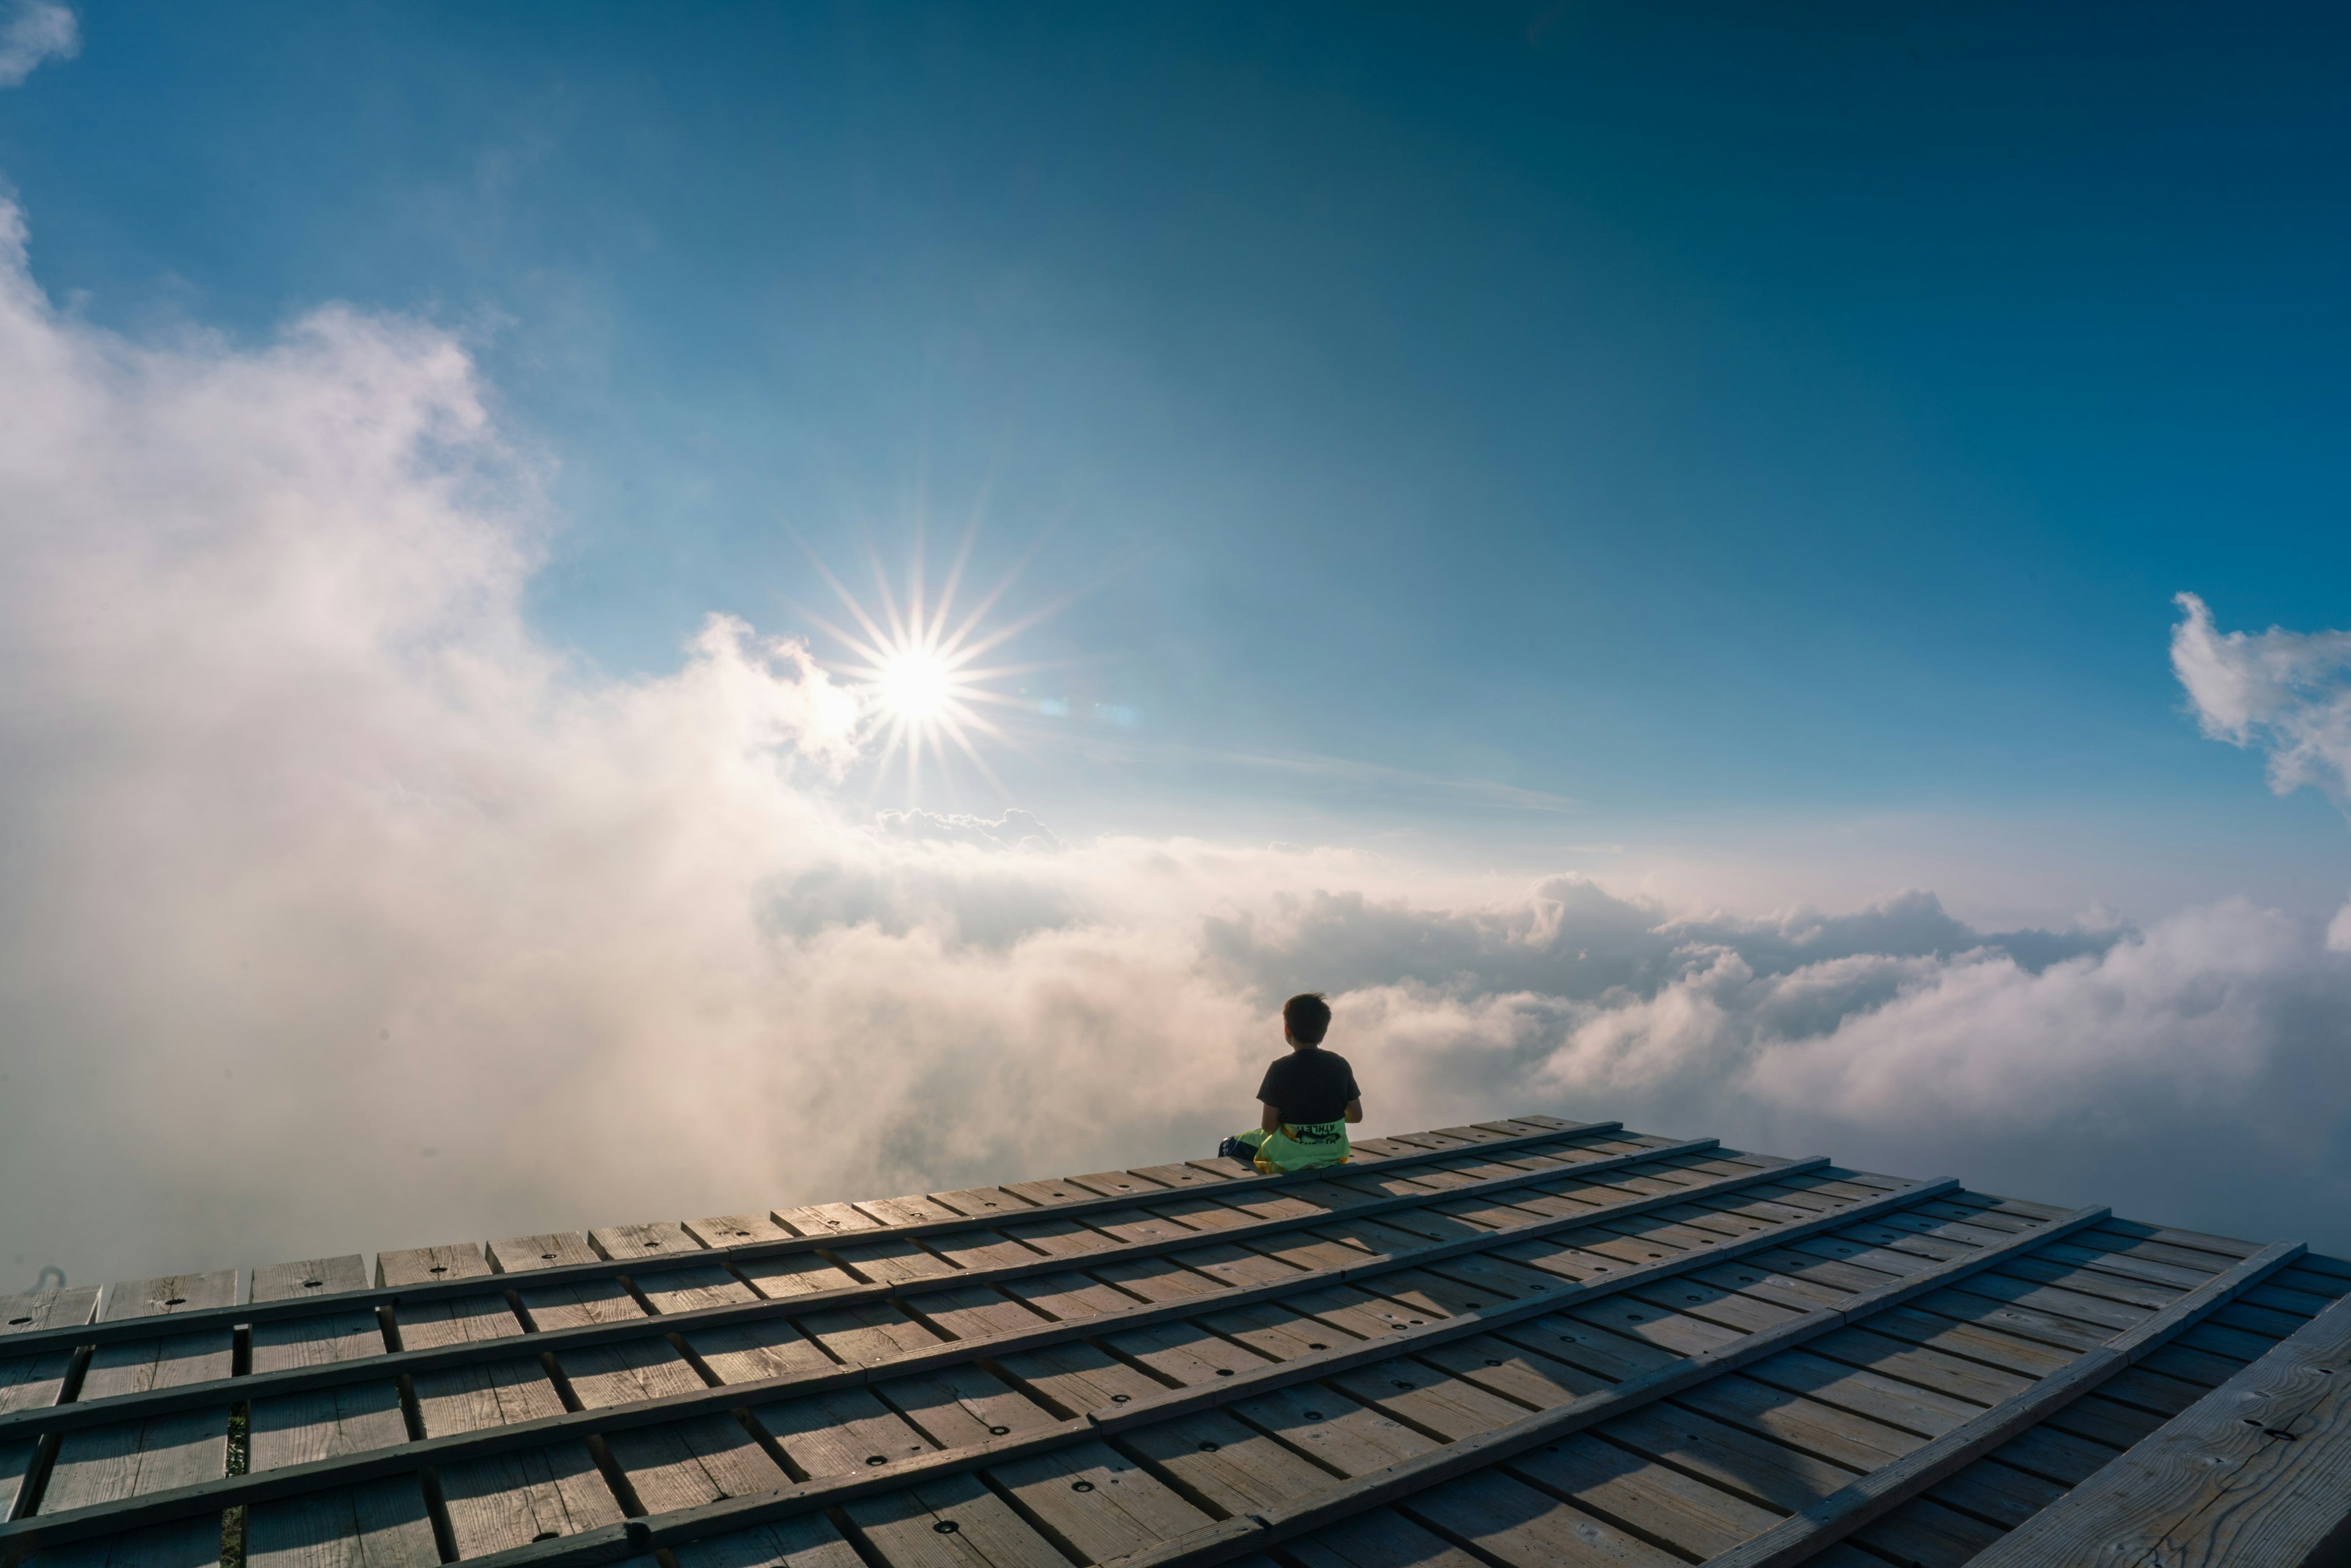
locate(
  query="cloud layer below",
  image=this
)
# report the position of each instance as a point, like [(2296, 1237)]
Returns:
[(340, 913)]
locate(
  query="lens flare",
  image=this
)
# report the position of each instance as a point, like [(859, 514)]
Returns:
[(913, 665)]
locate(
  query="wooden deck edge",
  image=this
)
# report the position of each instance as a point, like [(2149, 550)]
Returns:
[(611, 1544), (82, 1414), (1814, 1529), (2256, 1472), (103, 1330), (22, 1535), (1238, 1537)]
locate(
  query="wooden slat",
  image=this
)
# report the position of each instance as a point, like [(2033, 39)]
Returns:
[(632, 1243), (570, 1310), (379, 1525), (45, 1310), (808, 1541), (1144, 1409), (599, 1297), (508, 1501), (190, 1543), (1416, 1475), (568, 1255), (162, 1453), (429, 1264), (297, 1428), (1805, 1533), (2253, 1473)]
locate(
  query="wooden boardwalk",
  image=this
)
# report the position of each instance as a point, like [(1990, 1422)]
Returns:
[(1524, 1342)]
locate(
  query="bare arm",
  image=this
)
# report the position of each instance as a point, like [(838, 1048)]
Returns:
[(1354, 1110), (1271, 1119)]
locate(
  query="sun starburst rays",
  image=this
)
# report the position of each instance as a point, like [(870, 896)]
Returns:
[(912, 663)]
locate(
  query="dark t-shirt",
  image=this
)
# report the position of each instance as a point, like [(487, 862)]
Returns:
[(1310, 1086)]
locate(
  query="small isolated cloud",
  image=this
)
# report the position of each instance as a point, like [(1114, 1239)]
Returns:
[(2286, 693), (1016, 829), (32, 31)]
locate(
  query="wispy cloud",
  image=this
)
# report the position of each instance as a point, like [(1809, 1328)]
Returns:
[(2287, 693), (32, 31)]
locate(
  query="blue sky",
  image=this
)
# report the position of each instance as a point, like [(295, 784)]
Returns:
[(1717, 418), (1543, 520)]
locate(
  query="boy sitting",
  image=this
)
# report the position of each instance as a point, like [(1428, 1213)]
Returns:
[(1307, 1099)]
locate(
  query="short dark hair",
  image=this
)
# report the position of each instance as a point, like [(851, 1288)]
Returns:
[(1307, 1017)]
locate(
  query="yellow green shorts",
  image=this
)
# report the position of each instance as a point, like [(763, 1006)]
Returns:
[(1299, 1146)]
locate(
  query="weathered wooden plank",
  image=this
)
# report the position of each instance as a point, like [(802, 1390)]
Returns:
[(1075, 1377), (1660, 1502), (572, 1246), (982, 1202), (16, 1470), (313, 1276), (808, 1541), (840, 1433), (1234, 1468), (530, 1254), (1512, 1522), (2251, 1473), (1924, 1531), (135, 1366), (604, 1376), (733, 1231), (188, 1543), (297, 1428), (1095, 1502), (169, 1295), (951, 1523), (1048, 1193), (824, 1220), (1877, 1494), (1110, 1184), (574, 1303), (478, 1395), (501, 1501), (379, 1525), (111, 1463), (690, 1463), (1437, 1467), (673, 1291), (914, 1208), (628, 1243), (44, 1309), (34, 1382), (960, 1407), (1333, 1430), (428, 1265), (749, 1353), (181, 1448), (482, 1394), (1380, 1539), (717, 1516)]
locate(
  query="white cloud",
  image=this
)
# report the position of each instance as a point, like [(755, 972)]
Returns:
[(1015, 830), (2288, 693), (317, 860), (32, 32)]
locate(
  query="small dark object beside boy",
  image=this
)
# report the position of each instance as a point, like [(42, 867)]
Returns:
[(1307, 1099)]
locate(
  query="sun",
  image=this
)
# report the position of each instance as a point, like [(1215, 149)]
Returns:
[(914, 684), (915, 666)]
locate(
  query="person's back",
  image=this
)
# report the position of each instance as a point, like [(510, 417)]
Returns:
[(1306, 1100)]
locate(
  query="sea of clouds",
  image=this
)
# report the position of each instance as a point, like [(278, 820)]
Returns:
[(339, 911)]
